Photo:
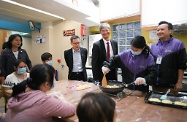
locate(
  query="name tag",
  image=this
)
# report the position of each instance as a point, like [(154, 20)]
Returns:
[(159, 60)]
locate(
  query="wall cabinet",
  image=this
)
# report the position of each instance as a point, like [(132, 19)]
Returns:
[(154, 11)]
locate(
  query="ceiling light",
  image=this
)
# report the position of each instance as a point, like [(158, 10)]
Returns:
[(34, 9)]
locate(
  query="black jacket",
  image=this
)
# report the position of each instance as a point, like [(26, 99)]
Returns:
[(68, 56), (128, 77), (98, 58), (7, 60)]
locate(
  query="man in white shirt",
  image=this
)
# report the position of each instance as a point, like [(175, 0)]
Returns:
[(76, 58), (103, 50)]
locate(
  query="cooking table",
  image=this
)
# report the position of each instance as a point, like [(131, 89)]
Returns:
[(131, 108)]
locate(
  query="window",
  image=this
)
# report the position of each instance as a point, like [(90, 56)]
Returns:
[(124, 33)]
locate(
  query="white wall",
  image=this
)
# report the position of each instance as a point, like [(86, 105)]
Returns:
[(62, 43), (154, 11), (55, 43), (27, 45)]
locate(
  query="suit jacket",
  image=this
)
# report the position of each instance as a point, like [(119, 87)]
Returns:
[(68, 56), (7, 60), (99, 56)]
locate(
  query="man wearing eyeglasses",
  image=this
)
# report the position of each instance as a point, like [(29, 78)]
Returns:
[(76, 58)]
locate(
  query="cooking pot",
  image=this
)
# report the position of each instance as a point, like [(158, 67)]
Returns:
[(120, 88)]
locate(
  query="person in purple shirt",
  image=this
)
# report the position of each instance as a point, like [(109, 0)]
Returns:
[(170, 57), (137, 65)]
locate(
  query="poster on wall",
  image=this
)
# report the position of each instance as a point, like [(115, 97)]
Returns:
[(69, 32), (40, 39)]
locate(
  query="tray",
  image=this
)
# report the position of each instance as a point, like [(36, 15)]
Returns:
[(180, 97)]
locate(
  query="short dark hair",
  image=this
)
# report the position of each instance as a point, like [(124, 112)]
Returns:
[(96, 107), (39, 74), (18, 61), (170, 26), (74, 37), (45, 56), (11, 38)]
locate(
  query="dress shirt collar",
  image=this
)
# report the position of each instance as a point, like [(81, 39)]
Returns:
[(105, 41), (75, 51)]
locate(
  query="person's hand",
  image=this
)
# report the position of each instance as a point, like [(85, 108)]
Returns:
[(140, 81), (105, 70), (178, 86)]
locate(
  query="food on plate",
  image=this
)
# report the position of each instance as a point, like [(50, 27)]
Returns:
[(81, 87), (154, 100), (167, 101), (112, 86), (180, 103)]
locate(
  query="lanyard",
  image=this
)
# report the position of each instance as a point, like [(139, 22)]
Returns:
[(161, 49)]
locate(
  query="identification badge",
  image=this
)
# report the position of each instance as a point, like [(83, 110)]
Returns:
[(159, 60)]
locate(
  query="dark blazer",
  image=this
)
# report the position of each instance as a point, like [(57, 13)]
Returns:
[(68, 56), (99, 56), (7, 60)]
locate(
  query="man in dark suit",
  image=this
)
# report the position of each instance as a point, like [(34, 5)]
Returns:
[(76, 58), (102, 51)]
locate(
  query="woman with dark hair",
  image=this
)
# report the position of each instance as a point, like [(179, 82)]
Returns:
[(96, 107), (137, 65), (29, 101), (16, 77), (11, 53)]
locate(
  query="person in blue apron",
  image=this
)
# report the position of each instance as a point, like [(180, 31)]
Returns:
[(170, 58), (137, 65)]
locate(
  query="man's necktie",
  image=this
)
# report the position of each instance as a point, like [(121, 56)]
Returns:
[(108, 51)]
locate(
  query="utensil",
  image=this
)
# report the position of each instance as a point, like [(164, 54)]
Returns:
[(127, 85), (163, 97), (104, 81)]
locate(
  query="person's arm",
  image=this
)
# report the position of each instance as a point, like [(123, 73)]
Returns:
[(95, 61), (3, 65), (54, 107), (86, 52), (7, 92), (150, 77), (7, 86), (181, 64), (28, 61), (66, 58), (178, 85), (114, 62)]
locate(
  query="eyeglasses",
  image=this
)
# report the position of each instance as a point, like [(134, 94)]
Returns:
[(76, 43)]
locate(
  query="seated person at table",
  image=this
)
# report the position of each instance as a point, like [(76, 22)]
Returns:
[(137, 65), (47, 59), (29, 101), (96, 107), (16, 77)]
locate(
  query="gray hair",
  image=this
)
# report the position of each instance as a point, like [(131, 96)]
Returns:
[(103, 25)]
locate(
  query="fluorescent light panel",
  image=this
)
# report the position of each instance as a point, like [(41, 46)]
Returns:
[(34, 9)]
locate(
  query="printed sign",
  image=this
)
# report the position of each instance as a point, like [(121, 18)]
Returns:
[(69, 32)]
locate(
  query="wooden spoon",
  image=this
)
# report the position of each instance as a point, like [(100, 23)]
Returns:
[(104, 81)]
